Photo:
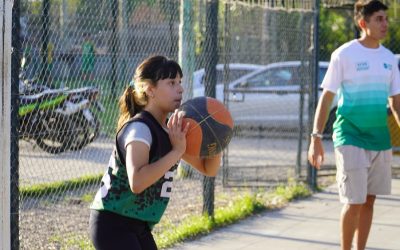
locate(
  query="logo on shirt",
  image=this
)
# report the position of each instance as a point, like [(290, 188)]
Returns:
[(362, 66), (387, 66)]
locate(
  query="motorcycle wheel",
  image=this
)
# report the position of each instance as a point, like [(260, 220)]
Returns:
[(84, 131), (55, 133)]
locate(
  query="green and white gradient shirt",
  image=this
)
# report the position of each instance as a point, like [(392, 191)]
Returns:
[(363, 79)]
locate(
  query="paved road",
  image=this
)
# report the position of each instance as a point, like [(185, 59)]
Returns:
[(37, 166), (307, 224)]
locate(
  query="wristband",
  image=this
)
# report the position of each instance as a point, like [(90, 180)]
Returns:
[(318, 135)]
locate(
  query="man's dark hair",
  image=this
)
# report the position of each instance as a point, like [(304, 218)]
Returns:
[(364, 9)]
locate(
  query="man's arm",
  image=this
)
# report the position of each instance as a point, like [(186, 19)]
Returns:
[(322, 111), (394, 102), (316, 150)]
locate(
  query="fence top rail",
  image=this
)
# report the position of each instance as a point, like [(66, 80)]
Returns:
[(303, 5), (270, 91)]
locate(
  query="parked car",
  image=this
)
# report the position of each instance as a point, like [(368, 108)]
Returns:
[(270, 97), (236, 70)]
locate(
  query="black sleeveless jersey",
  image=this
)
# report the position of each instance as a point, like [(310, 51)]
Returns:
[(115, 194)]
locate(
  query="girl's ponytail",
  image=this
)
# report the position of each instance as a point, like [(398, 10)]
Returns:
[(128, 106)]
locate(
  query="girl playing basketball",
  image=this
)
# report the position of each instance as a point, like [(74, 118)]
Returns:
[(136, 187)]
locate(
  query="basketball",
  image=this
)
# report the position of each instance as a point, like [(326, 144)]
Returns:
[(210, 126)]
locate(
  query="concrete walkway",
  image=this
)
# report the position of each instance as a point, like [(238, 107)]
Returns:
[(312, 223)]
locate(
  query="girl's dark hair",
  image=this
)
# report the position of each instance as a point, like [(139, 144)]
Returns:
[(149, 72), (364, 9)]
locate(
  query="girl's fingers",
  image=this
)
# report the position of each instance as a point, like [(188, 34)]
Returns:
[(176, 126), (186, 129), (175, 118), (180, 119), (170, 121), (175, 122)]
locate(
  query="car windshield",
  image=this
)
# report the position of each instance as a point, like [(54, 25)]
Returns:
[(232, 75), (279, 76)]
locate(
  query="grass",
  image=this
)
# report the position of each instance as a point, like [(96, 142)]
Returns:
[(239, 205), (51, 188), (72, 241)]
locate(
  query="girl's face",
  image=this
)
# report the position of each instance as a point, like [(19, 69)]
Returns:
[(168, 93)]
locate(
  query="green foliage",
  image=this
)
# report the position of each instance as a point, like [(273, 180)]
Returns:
[(392, 40), (34, 7), (336, 28)]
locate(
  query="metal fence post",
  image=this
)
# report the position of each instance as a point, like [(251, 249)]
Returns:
[(5, 123), (114, 45), (186, 57), (14, 156), (226, 59), (303, 92), (211, 50), (186, 46), (44, 67), (311, 171)]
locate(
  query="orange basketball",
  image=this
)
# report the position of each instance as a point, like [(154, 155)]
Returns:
[(210, 126)]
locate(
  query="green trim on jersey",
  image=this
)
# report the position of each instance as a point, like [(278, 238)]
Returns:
[(116, 196)]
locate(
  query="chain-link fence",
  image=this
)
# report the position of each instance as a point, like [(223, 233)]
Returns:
[(269, 105), (78, 56)]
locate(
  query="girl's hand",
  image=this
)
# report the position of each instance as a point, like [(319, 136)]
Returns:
[(177, 132)]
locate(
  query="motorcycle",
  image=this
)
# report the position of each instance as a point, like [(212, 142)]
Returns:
[(84, 122), (77, 109), (39, 120)]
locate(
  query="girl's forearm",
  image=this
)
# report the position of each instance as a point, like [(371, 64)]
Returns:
[(147, 175), (212, 165)]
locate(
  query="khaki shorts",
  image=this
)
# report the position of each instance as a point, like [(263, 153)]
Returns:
[(361, 172)]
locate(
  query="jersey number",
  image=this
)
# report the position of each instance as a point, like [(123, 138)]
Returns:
[(167, 185)]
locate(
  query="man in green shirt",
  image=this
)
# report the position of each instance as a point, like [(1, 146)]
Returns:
[(364, 75), (88, 58)]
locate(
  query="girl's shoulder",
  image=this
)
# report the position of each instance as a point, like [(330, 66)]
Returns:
[(137, 126), (135, 131)]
